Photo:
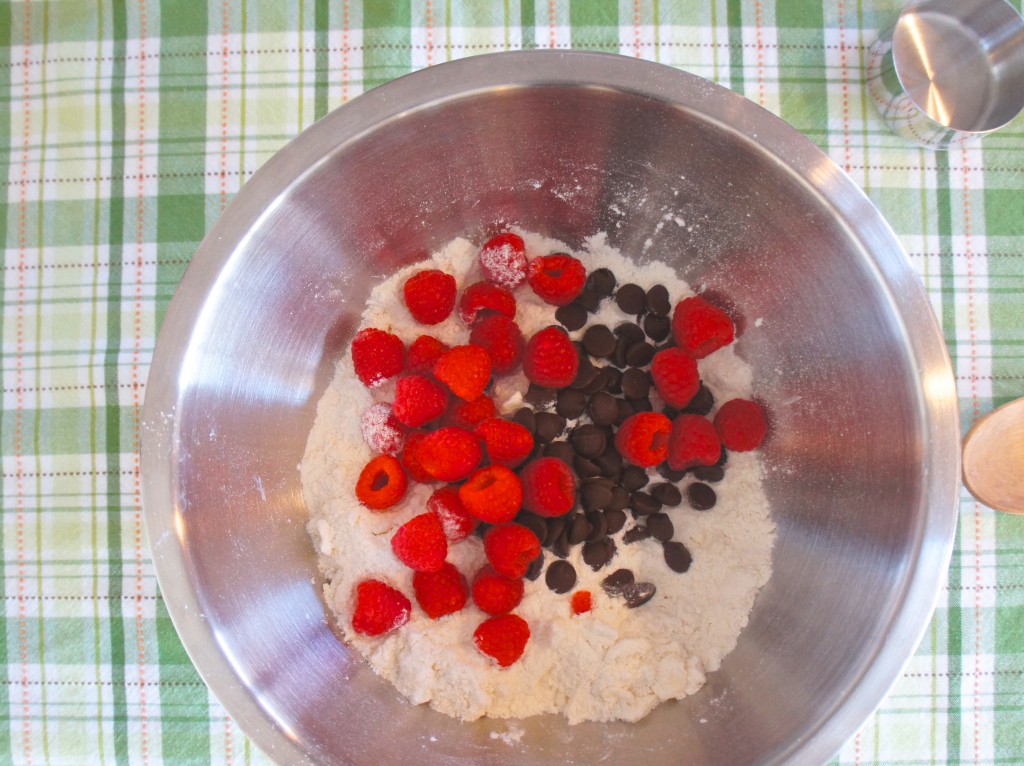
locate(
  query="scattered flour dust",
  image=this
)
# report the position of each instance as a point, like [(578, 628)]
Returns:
[(610, 663)]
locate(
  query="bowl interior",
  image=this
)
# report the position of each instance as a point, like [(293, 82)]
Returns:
[(858, 469)]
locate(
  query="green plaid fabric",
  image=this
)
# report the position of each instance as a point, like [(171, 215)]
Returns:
[(125, 128)]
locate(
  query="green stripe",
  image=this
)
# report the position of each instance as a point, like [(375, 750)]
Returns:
[(528, 23), (6, 68), (322, 24), (386, 41), (734, 15)]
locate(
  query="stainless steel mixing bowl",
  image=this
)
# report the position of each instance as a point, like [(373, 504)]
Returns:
[(862, 464)]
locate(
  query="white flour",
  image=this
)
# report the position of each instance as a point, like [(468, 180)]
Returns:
[(610, 663)]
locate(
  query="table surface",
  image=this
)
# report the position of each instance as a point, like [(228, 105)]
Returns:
[(130, 126)]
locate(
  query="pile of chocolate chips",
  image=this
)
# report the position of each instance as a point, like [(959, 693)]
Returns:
[(613, 383)]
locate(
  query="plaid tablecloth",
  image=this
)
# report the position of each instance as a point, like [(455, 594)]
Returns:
[(125, 129)]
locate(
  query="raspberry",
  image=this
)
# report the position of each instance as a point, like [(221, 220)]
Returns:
[(675, 376), (377, 356), (381, 429), (507, 442), (643, 438), (455, 520), (466, 370), (496, 594), (693, 442), (450, 453), (582, 602), (468, 414), (503, 260), (379, 608), (700, 327), (510, 548), (420, 543), (493, 494), (557, 279), (442, 592), (549, 486), (429, 295), (411, 457), (484, 296), (551, 360), (423, 354), (741, 425), (500, 337), (502, 638), (418, 400), (381, 483)]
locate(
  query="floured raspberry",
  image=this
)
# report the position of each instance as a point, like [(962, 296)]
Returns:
[(500, 337), (420, 543), (442, 592), (429, 295), (741, 425), (502, 638), (423, 354), (382, 483), (379, 608), (381, 429), (466, 370), (693, 442), (450, 453), (482, 297), (495, 593), (503, 260), (493, 494), (510, 548), (377, 355), (455, 519)]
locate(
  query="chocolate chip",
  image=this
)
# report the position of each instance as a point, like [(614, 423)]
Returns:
[(571, 316), (615, 583), (639, 354), (603, 408), (585, 467), (585, 373), (561, 545), (611, 463), (595, 495), (618, 357), (670, 473), (579, 529), (631, 298), (570, 403), (723, 458), (560, 577), (643, 504), (536, 524), (666, 494), (636, 383), (536, 567), (641, 405), (589, 300), (614, 377), (639, 594), (598, 526), (657, 301), (599, 552), (677, 556), (556, 525), (702, 402), (549, 426), (657, 327), (539, 396), (601, 281), (631, 331), (598, 383), (670, 412), (633, 478), (660, 526), (625, 410), (615, 519), (619, 501), (588, 440), (712, 473), (560, 449), (525, 417), (636, 534), (701, 497), (598, 341)]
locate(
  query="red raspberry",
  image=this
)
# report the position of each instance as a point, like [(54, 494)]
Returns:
[(423, 354), (500, 337), (582, 602), (468, 414), (379, 608), (503, 260), (466, 370), (455, 519), (549, 486), (411, 457), (495, 593), (450, 453), (643, 438), (741, 425), (510, 548), (675, 376), (377, 356), (693, 442), (442, 592), (701, 328), (429, 295), (557, 279), (381, 483), (551, 360), (381, 429), (502, 638), (507, 442), (420, 543), (418, 400), (493, 494), (484, 296)]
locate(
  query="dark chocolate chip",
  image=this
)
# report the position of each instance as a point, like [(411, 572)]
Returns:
[(536, 567), (639, 354), (636, 534), (702, 402), (631, 331), (639, 594), (599, 552), (657, 327), (614, 376), (712, 473), (660, 526), (571, 316), (570, 403), (549, 426), (670, 473), (701, 497), (633, 478), (539, 396), (561, 546), (579, 529), (598, 341), (657, 301), (619, 501), (603, 408), (556, 525), (618, 357), (589, 300), (536, 524), (631, 298), (636, 383), (615, 519), (723, 458), (615, 583), (560, 577), (598, 383), (598, 526), (560, 449), (643, 504), (625, 410), (677, 556), (525, 417), (611, 463), (670, 412), (666, 494), (588, 440), (641, 405), (601, 281), (595, 495), (585, 467)]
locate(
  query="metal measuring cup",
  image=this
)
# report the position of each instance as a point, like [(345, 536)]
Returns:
[(948, 70)]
